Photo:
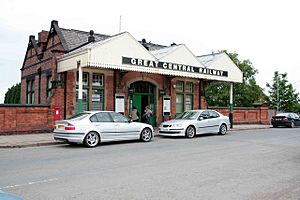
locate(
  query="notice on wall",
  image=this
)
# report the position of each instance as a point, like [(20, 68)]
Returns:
[(120, 103), (95, 97), (166, 105)]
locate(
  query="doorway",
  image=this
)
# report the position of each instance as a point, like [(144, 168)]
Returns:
[(143, 94)]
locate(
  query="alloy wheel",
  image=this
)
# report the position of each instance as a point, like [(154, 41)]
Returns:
[(223, 129), (146, 135), (190, 132), (91, 139)]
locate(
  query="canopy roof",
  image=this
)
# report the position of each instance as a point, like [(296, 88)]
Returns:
[(124, 52)]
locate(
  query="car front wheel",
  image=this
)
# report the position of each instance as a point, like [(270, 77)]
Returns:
[(146, 135), (91, 139), (190, 132), (223, 129)]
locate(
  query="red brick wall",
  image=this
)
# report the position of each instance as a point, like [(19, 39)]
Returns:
[(242, 115), (202, 97), (57, 100), (17, 119)]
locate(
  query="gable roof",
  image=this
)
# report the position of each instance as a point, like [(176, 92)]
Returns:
[(91, 45), (75, 38), (208, 59), (160, 53), (106, 53), (32, 43), (222, 61)]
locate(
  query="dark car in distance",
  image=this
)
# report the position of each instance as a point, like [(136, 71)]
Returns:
[(285, 119)]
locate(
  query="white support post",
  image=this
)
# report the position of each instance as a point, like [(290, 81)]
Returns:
[(231, 106), (79, 87)]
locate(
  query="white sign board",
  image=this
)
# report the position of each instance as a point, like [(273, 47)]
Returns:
[(167, 106), (120, 103)]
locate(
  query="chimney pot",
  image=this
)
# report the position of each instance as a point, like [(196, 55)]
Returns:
[(91, 37)]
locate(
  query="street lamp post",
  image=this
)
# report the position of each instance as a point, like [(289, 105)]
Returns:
[(277, 81), (278, 103)]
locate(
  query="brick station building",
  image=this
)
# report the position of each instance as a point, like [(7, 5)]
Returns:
[(73, 70)]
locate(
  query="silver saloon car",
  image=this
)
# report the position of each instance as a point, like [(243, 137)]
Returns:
[(92, 127), (194, 122)]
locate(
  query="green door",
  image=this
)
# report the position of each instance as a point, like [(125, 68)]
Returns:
[(142, 96), (140, 101), (137, 102)]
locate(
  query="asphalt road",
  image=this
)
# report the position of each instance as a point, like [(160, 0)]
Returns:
[(254, 164)]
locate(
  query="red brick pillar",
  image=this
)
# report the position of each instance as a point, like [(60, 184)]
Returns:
[(264, 114), (109, 92), (203, 103), (196, 96)]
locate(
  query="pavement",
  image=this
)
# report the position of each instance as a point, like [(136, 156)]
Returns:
[(46, 139)]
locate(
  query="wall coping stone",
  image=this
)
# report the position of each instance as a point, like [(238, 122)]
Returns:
[(25, 105), (234, 108)]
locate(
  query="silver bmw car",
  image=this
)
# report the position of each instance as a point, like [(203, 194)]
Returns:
[(92, 127), (194, 122)]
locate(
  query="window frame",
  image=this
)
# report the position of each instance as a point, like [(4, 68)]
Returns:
[(95, 82), (30, 98), (49, 86), (185, 89)]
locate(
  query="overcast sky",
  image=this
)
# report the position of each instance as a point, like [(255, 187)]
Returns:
[(265, 32)]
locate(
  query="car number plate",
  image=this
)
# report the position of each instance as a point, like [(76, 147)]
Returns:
[(60, 126)]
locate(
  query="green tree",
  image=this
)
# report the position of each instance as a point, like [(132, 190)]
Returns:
[(245, 94), (12, 96), (283, 96)]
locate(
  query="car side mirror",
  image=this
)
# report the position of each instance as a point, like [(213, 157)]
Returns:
[(200, 118), (130, 120)]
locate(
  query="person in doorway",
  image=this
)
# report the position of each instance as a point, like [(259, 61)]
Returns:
[(147, 115), (134, 115)]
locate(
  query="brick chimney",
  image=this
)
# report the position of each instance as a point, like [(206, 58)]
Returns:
[(54, 22), (43, 35)]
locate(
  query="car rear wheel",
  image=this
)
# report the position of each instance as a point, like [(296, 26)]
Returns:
[(146, 135), (292, 124), (91, 139), (190, 132), (223, 129)]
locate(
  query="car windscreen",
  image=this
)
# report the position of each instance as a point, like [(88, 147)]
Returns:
[(79, 116), (188, 115)]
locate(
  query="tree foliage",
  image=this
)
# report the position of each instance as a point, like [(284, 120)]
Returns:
[(12, 96), (245, 94), (283, 96)]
